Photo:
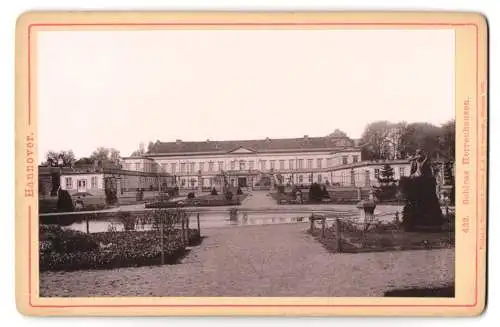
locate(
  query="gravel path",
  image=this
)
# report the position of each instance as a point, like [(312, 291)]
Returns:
[(269, 260)]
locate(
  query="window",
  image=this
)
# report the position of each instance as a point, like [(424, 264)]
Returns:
[(355, 158), (164, 167), (320, 178), (233, 165), (319, 163), (242, 165), (290, 164), (183, 167), (272, 163), (310, 178), (173, 166), (137, 166), (263, 165), (282, 164), (309, 163), (183, 182), (69, 183), (202, 166), (93, 182), (251, 164), (401, 171), (221, 165), (300, 163), (344, 160), (191, 166), (301, 179), (329, 162), (211, 166), (377, 172)]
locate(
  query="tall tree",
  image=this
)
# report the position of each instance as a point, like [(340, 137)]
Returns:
[(100, 154), (114, 155), (104, 155), (52, 158), (393, 141), (374, 140), (338, 133), (447, 140), (151, 146), (139, 152), (423, 136)]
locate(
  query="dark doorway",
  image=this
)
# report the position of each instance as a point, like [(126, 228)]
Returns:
[(242, 182)]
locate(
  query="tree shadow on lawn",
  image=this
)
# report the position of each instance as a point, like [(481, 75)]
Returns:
[(443, 292)]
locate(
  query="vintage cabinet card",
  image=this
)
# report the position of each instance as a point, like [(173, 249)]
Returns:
[(319, 163)]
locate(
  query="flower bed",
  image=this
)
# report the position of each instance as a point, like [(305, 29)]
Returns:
[(382, 237), (70, 250)]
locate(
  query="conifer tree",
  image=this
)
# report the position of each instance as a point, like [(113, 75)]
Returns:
[(387, 188)]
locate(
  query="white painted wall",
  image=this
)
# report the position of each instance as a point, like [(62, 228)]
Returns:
[(87, 177)]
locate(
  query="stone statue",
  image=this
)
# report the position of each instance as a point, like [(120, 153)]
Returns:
[(422, 208)]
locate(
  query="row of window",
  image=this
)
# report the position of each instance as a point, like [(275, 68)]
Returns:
[(212, 181), (80, 182), (148, 167), (191, 167)]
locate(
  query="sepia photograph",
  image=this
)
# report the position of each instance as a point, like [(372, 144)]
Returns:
[(274, 162), (268, 163)]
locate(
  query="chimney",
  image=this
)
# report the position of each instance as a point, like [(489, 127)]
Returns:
[(178, 141), (208, 140)]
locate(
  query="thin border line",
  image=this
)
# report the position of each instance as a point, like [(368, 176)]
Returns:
[(257, 24), (477, 164), (261, 24)]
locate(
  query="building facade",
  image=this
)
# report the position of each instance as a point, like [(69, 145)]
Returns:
[(332, 160)]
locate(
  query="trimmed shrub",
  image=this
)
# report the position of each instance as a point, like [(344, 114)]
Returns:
[(214, 191), (190, 195), (281, 189), (64, 202), (239, 191), (229, 195), (315, 193)]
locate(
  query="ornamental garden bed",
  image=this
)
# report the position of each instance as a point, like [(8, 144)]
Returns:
[(381, 237), (290, 199), (207, 200), (67, 250)]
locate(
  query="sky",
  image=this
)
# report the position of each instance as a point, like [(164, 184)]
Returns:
[(120, 88)]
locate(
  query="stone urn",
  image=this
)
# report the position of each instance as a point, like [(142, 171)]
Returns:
[(366, 210)]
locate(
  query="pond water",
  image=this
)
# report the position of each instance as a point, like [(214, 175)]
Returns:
[(207, 220)]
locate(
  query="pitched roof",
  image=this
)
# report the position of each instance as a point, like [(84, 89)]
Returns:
[(264, 145)]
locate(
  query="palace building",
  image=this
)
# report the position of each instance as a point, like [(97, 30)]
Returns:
[(333, 159)]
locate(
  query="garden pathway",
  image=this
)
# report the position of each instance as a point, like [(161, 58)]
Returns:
[(272, 260), (258, 199)]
